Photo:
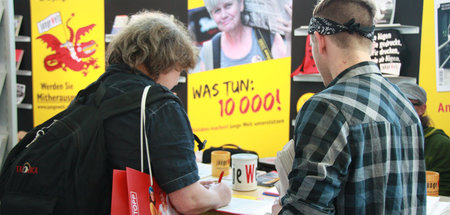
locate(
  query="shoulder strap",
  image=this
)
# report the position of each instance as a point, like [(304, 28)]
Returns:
[(216, 50), (268, 37), (264, 42), (207, 55), (94, 88)]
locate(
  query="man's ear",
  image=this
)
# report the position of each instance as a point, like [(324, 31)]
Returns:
[(320, 41), (421, 109)]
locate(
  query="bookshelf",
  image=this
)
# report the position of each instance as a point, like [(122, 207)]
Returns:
[(403, 29), (23, 75), (8, 101), (22, 36)]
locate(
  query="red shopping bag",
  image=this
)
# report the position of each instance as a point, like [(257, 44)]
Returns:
[(119, 200), (132, 194)]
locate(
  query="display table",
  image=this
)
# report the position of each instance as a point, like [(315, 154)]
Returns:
[(436, 205), (444, 198), (439, 205), (243, 202)]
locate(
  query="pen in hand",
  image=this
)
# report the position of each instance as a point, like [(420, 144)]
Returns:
[(208, 184), (220, 177)]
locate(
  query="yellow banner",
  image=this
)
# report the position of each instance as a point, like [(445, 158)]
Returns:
[(68, 51), (246, 105), (438, 103)]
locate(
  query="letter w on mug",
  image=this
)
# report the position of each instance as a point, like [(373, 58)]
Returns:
[(244, 171)]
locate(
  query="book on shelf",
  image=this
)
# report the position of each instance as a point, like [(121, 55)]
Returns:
[(20, 92), (388, 51), (17, 23), (19, 56), (120, 21)]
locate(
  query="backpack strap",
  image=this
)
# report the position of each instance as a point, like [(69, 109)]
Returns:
[(216, 50), (207, 56), (94, 88), (265, 42), (100, 92)]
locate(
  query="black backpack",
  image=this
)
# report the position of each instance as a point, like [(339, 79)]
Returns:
[(61, 167)]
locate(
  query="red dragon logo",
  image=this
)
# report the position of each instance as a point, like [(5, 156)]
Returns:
[(70, 54)]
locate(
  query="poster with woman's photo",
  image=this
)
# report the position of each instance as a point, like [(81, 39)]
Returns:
[(442, 22), (241, 85)]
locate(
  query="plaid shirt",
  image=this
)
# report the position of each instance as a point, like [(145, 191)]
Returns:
[(359, 150)]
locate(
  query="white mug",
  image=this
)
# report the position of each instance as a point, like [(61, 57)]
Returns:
[(244, 171)]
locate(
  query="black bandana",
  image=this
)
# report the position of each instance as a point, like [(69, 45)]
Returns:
[(327, 27)]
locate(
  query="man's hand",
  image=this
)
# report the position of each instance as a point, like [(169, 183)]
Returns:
[(276, 207)]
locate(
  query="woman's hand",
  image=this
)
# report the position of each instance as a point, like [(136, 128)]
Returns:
[(286, 25)]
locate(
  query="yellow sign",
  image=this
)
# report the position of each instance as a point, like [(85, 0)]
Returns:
[(246, 105), (438, 103), (68, 51)]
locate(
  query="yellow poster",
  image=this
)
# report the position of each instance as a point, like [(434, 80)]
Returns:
[(246, 105), (438, 102), (239, 93), (68, 51)]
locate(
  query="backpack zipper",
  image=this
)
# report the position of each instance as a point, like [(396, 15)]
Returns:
[(40, 132)]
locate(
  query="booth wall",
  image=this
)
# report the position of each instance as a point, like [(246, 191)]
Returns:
[(438, 103), (420, 54)]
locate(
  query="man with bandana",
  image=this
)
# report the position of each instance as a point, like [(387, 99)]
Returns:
[(359, 144)]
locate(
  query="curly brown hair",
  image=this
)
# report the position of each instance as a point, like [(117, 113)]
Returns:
[(156, 40)]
